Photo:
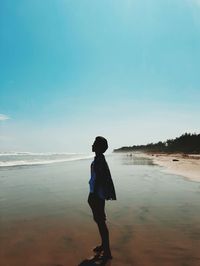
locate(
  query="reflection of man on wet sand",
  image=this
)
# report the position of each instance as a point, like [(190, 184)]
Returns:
[(101, 189)]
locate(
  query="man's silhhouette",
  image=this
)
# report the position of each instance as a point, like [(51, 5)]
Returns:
[(101, 189)]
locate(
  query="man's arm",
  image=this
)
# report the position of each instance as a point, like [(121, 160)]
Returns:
[(100, 174)]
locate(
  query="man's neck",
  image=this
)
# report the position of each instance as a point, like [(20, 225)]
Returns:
[(98, 154)]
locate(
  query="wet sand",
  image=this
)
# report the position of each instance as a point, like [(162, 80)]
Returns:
[(45, 219)]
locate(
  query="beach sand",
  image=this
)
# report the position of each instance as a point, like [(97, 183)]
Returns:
[(46, 221), (179, 164)]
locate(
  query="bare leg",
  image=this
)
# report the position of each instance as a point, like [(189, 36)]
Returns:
[(104, 233)]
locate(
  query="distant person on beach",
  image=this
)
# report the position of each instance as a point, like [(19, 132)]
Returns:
[(101, 189)]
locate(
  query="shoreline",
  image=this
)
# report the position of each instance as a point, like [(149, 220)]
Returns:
[(186, 165)]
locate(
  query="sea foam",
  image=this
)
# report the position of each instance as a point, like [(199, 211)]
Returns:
[(10, 159)]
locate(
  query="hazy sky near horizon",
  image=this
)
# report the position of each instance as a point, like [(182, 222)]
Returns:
[(74, 69)]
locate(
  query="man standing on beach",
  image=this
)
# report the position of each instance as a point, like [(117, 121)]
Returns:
[(101, 189)]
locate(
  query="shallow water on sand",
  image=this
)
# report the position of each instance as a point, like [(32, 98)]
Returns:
[(45, 219)]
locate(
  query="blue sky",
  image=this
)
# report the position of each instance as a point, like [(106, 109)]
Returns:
[(71, 70)]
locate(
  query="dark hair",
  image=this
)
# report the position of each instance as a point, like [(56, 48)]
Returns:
[(101, 143)]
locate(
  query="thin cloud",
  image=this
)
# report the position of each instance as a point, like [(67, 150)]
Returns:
[(4, 117)]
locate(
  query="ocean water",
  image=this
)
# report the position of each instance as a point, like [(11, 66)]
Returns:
[(9, 159), (45, 218)]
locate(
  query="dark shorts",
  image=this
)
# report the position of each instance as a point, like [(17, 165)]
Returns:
[(98, 207)]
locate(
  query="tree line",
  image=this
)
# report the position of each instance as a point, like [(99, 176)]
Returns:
[(186, 143)]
